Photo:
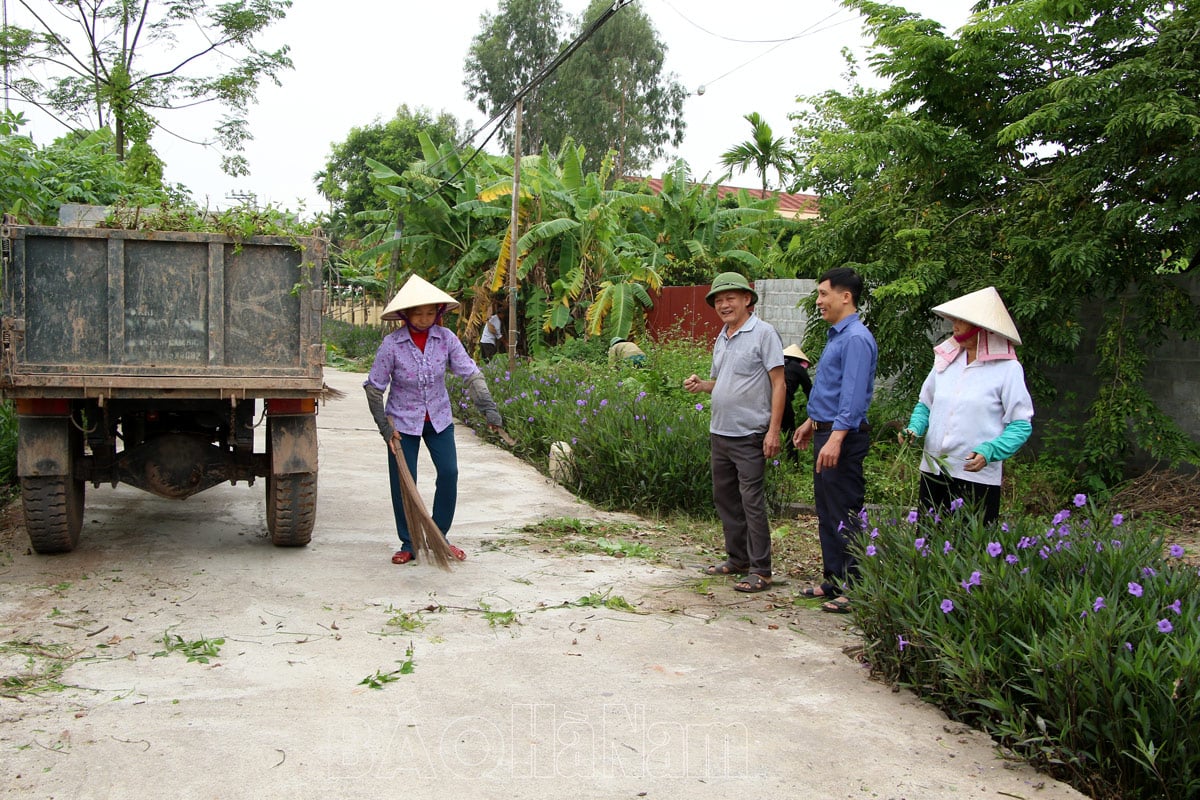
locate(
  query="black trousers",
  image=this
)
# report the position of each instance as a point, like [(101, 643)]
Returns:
[(938, 491), (840, 494)]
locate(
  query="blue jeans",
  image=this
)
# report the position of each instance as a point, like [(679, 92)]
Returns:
[(445, 460)]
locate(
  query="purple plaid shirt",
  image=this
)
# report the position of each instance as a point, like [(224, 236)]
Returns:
[(418, 380)]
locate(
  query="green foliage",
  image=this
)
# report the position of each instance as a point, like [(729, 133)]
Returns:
[(8, 444), (130, 64), (78, 168), (350, 347), (381, 678), (346, 178), (1049, 151), (1076, 643), (610, 95), (762, 152), (199, 650)]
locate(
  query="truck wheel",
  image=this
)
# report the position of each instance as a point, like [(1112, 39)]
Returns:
[(53, 512), (291, 508)]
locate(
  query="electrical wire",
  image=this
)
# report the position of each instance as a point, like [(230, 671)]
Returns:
[(806, 32), (503, 113)]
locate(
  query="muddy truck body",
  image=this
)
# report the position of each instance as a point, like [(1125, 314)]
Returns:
[(149, 358)]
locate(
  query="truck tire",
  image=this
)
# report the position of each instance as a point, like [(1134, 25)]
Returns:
[(291, 508), (53, 512)]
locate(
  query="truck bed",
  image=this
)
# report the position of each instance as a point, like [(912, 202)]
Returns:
[(101, 313)]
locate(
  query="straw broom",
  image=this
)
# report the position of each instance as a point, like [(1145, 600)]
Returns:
[(426, 537)]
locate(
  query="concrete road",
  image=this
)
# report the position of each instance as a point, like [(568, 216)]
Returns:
[(689, 699)]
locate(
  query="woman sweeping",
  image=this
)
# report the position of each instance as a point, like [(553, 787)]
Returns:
[(411, 364)]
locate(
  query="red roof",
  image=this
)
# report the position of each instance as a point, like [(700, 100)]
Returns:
[(798, 206)]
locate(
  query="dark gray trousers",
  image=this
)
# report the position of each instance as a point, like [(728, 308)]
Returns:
[(840, 493), (738, 466)]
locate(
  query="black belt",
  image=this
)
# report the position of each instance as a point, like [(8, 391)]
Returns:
[(828, 426)]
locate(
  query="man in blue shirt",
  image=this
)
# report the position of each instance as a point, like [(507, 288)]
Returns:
[(837, 427)]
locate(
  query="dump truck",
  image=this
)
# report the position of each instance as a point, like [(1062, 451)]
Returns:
[(150, 358)]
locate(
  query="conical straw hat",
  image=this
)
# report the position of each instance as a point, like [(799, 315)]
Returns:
[(983, 308), (794, 351), (417, 291)]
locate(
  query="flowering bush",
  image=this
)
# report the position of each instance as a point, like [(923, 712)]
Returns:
[(1077, 642)]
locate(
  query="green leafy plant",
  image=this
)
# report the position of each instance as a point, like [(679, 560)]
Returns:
[(497, 619), (605, 599), (1074, 641), (198, 650), (404, 620), (381, 678)]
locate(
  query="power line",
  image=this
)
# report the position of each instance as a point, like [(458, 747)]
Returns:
[(545, 72), (806, 32)]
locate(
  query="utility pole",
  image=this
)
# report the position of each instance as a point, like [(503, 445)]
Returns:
[(514, 229)]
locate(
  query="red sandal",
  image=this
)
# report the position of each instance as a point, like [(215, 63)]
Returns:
[(457, 553), (402, 557)]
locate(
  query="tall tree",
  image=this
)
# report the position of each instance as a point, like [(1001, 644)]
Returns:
[(97, 63), (762, 152), (612, 94), (1050, 151), (346, 179), (512, 46)]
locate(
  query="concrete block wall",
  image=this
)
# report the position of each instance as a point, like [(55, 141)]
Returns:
[(779, 304)]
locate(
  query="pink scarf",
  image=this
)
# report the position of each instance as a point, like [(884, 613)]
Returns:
[(992, 347)]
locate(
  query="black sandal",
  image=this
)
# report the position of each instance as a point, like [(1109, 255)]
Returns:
[(752, 583)]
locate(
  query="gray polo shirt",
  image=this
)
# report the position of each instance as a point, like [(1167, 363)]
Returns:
[(741, 397)]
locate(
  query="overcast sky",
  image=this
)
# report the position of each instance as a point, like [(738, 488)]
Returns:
[(356, 61)]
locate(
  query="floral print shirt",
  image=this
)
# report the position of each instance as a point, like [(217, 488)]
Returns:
[(418, 379)]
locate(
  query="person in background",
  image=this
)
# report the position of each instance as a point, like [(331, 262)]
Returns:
[(411, 365), (837, 427), (974, 408), (623, 351), (491, 337), (795, 376), (747, 411)]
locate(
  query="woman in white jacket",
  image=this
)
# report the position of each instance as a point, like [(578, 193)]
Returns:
[(974, 409)]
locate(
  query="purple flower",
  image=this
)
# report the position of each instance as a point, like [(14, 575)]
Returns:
[(1135, 589), (581, 402), (871, 551), (946, 548), (994, 549), (1080, 500), (1149, 572), (1165, 626), (912, 516), (699, 406), (603, 403), (775, 463), (531, 419), (1004, 527), (974, 580), (919, 543), (1118, 519), (1176, 607), (1129, 646), (902, 642), (947, 606), (874, 533), (957, 503), (1176, 551), (1099, 604), (1011, 559), (1061, 517)]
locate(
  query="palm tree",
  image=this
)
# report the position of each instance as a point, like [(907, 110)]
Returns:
[(762, 152)]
